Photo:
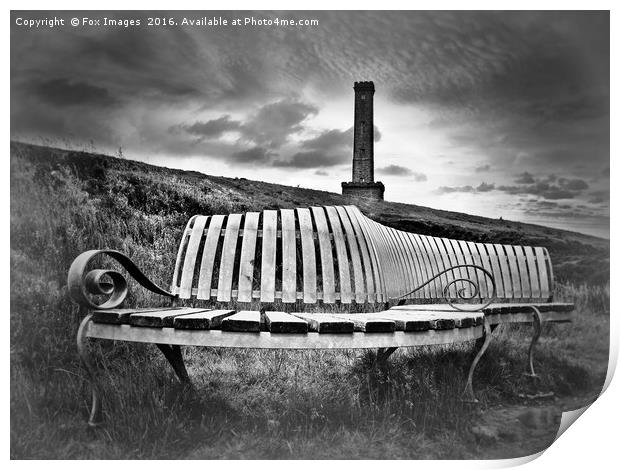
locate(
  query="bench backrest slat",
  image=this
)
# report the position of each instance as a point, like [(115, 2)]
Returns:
[(327, 260), (248, 253), (344, 273), (336, 254), (289, 256), (268, 259), (361, 295), (208, 257), (308, 255), (542, 271), (373, 281), (229, 252), (532, 271)]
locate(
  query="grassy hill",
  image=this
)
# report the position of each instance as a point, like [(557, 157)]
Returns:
[(129, 189), (274, 404)]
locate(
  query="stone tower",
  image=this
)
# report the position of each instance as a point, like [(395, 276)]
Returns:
[(363, 184)]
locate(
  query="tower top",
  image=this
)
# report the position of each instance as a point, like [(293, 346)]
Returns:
[(367, 86)]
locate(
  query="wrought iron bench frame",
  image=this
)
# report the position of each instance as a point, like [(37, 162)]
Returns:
[(384, 255)]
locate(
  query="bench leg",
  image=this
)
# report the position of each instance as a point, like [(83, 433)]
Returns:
[(537, 324), (468, 393), (383, 355), (95, 418), (175, 358)]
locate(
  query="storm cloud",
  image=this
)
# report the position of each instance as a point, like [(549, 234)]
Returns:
[(521, 98)]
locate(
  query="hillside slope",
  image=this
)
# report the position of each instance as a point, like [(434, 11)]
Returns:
[(127, 190)]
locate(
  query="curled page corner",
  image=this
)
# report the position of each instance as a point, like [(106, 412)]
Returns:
[(568, 418)]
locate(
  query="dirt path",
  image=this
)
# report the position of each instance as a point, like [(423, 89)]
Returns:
[(524, 429)]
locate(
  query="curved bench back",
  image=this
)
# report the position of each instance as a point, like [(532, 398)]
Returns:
[(336, 254)]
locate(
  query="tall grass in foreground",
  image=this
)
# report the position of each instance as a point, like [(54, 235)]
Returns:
[(248, 403)]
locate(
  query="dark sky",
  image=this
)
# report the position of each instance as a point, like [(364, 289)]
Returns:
[(492, 113)]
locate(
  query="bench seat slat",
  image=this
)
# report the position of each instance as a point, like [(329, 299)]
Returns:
[(119, 316), (281, 322), (354, 253), (362, 322), (162, 318), (206, 320), (445, 319), (325, 323), (245, 320), (493, 308)]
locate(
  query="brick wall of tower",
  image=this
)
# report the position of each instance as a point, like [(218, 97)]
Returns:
[(363, 133)]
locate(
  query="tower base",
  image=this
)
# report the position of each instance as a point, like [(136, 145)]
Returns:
[(372, 191)]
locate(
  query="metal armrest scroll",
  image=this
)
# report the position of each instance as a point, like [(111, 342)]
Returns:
[(462, 292), (94, 282)]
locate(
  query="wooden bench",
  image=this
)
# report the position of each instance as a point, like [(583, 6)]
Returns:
[(300, 278)]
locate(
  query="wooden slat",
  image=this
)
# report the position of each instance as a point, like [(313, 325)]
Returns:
[(162, 318), (394, 243), (438, 284), (324, 323), (404, 322), (367, 324), (365, 251), (457, 257), (229, 249), (436, 320), (550, 271), (327, 260), (280, 322), (442, 262), (117, 316), (502, 258), (526, 288), (289, 256), (248, 253), (496, 270), (267, 340), (514, 271), (542, 272), (208, 257), (397, 284), (445, 248), (412, 252), (486, 264), (473, 274), (189, 263), (483, 287), (358, 275), (532, 269), (494, 308), (207, 320), (385, 260), (407, 260), (268, 261), (308, 256), (180, 253), (344, 274), (427, 268), (374, 269), (245, 320)]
